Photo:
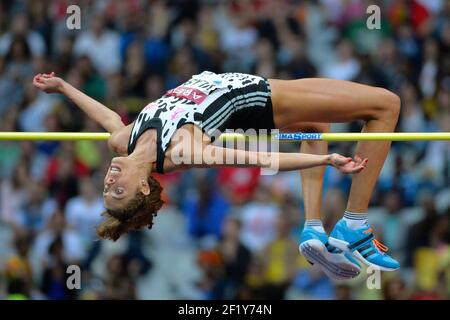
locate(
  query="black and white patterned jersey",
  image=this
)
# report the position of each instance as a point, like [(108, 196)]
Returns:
[(213, 102)]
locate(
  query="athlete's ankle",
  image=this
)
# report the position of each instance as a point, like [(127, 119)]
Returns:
[(315, 224), (355, 220)]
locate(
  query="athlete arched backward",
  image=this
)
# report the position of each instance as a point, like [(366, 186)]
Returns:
[(208, 103)]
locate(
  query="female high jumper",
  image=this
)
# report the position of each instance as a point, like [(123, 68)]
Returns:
[(209, 103)]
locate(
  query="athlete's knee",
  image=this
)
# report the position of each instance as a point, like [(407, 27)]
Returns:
[(318, 127), (322, 127), (393, 103), (388, 104)]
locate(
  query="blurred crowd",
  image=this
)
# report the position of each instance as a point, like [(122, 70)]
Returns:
[(223, 233)]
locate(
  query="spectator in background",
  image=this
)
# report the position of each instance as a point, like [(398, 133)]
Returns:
[(17, 69), (254, 287), (238, 184), (93, 83), (40, 22), (206, 210), (395, 221), (408, 44), (440, 235), (118, 285), (436, 162), (69, 247), (343, 292), (259, 218), (156, 48), (54, 278), (394, 289), (182, 66), (430, 68), (14, 193), (154, 87), (20, 28), (413, 118), (334, 205), (10, 150), (280, 258), (346, 66), (386, 59), (211, 265), (36, 210), (135, 71), (37, 106), (34, 159), (100, 45), (207, 38), (19, 273), (264, 59), (83, 212), (115, 93), (237, 37), (292, 56), (310, 283), (419, 234), (62, 174), (236, 257)]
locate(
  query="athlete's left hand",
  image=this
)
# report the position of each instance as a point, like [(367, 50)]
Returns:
[(48, 82), (347, 164)]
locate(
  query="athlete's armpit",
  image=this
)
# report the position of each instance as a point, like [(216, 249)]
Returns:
[(118, 142)]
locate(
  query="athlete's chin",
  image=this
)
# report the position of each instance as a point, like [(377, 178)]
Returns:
[(117, 160), (122, 163)]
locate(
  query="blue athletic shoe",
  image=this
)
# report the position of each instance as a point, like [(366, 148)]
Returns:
[(336, 264), (361, 243)]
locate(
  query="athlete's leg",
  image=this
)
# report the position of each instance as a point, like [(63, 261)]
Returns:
[(314, 240), (326, 100), (312, 179)]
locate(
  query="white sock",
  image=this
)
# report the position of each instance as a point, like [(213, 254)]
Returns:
[(316, 224), (355, 220)]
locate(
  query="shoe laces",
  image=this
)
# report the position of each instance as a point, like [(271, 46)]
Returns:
[(381, 247)]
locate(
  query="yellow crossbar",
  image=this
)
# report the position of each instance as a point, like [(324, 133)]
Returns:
[(397, 136)]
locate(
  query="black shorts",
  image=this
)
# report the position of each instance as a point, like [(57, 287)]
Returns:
[(247, 104)]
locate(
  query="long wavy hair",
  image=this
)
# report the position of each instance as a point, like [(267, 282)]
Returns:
[(138, 213)]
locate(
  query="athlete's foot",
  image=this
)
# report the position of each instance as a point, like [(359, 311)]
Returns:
[(336, 264), (361, 243)]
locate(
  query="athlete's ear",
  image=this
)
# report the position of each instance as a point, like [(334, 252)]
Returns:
[(145, 187)]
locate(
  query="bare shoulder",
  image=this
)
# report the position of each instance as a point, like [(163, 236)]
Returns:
[(118, 142)]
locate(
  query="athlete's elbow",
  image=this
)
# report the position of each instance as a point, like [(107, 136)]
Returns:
[(112, 123), (115, 118)]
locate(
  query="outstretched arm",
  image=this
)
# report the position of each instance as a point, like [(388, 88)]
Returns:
[(214, 156), (107, 118)]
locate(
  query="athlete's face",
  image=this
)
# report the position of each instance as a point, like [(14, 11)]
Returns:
[(122, 181)]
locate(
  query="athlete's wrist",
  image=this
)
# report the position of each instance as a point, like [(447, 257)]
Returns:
[(327, 160), (62, 87)]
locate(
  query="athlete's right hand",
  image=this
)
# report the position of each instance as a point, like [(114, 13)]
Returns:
[(48, 82), (347, 164)]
